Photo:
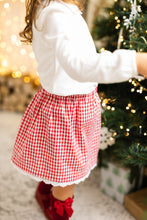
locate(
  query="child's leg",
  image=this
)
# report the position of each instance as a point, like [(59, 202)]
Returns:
[(61, 200), (62, 193)]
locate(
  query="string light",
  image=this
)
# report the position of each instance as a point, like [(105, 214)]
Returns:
[(136, 83), (133, 111), (127, 134), (121, 38), (27, 79), (117, 26), (115, 133), (111, 12), (108, 107), (16, 74), (128, 106), (102, 50)]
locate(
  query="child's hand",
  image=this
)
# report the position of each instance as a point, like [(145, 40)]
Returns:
[(141, 61)]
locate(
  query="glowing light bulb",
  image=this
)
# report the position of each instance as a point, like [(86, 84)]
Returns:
[(6, 5), (37, 82), (117, 26), (121, 38), (16, 74), (31, 55), (26, 79), (132, 90), (108, 107), (121, 127), (102, 49), (127, 134), (4, 63), (13, 38), (114, 134), (22, 51), (133, 111), (103, 104)]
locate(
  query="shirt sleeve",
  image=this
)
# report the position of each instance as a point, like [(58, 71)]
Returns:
[(105, 67)]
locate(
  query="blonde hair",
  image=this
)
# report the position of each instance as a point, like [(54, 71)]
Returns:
[(31, 9)]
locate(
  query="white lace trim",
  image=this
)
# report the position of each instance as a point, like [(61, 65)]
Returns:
[(51, 182)]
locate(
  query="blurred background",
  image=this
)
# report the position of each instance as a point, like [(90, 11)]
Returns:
[(117, 187)]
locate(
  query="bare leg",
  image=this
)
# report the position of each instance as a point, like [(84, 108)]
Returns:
[(62, 193)]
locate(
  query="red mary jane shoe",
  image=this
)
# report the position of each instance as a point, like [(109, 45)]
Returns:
[(53, 208), (42, 194), (59, 210)]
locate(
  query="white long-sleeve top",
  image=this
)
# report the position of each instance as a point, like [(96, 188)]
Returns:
[(67, 59)]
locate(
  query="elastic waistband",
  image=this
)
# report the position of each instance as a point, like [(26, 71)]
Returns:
[(70, 97)]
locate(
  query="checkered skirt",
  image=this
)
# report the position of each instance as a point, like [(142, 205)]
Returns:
[(58, 138)]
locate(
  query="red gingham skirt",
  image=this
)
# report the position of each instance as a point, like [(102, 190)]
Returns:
[(58, 139)]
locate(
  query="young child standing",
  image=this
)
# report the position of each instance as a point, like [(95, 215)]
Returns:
[(58, 139)]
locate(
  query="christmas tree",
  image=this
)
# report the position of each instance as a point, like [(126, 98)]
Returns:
[(125, 104)]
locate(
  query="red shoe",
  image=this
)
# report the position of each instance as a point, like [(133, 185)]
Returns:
[(59, 210), (42, 194), (53, 209)]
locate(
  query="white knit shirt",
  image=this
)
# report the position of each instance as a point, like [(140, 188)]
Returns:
[(67, 59)]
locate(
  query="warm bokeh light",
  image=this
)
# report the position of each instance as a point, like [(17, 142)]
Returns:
[(14, 56)]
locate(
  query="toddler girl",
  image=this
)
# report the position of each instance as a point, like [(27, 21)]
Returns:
[(58, 139)]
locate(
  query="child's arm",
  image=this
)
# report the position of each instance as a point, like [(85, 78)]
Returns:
[(141, 61), (87, 65), (106, 67)]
